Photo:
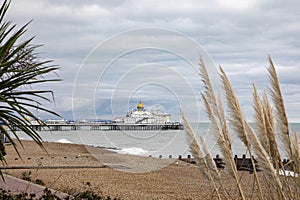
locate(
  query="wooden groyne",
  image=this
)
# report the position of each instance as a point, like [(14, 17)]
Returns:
[(242, 163)]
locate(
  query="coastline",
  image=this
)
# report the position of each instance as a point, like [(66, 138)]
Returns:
[(126, 177)]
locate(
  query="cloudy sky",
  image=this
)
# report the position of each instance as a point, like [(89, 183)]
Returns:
[(113, 53)]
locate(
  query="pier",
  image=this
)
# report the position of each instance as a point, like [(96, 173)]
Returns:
[(104, 126)]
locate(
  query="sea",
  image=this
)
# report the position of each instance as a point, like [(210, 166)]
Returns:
[(158, 143)]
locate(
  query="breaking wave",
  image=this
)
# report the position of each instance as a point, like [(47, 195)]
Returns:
[(64, 141), (133, 151)]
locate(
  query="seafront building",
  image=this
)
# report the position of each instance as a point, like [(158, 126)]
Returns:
[(142, 116)]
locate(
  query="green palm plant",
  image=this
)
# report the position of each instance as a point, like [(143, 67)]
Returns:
[(20, 70)]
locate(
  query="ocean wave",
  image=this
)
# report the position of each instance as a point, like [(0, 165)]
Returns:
[(63, 140), (133, 151)]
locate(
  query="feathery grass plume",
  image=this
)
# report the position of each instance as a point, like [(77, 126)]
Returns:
[(223, 121), (224, 145), (259, 119), (281, 117), (195, 147), (216, 112), (221, 108), (236, 114), (282, 122), (209, 159), (209, 91), (296, 166), (271, 131), (296, 154), (264, 123), (264, 161), (213, 107), (217, 107), (238, 121), (198, 155)]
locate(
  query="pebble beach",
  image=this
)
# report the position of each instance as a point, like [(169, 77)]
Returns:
[(73, 168)]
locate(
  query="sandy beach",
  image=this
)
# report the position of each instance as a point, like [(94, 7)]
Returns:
[(115, 175)]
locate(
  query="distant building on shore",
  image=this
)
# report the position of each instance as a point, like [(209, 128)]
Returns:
[(142, 116)]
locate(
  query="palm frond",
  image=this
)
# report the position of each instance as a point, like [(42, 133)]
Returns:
[(20, 69)]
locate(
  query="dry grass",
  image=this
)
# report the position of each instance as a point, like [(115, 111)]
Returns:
[(260, 141)]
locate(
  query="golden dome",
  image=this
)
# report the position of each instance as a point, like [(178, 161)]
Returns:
[(140, 105)]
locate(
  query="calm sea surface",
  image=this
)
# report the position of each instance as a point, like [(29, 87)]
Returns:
[(154, 143)]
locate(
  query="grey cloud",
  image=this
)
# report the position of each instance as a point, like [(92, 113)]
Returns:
[(236, 34)]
